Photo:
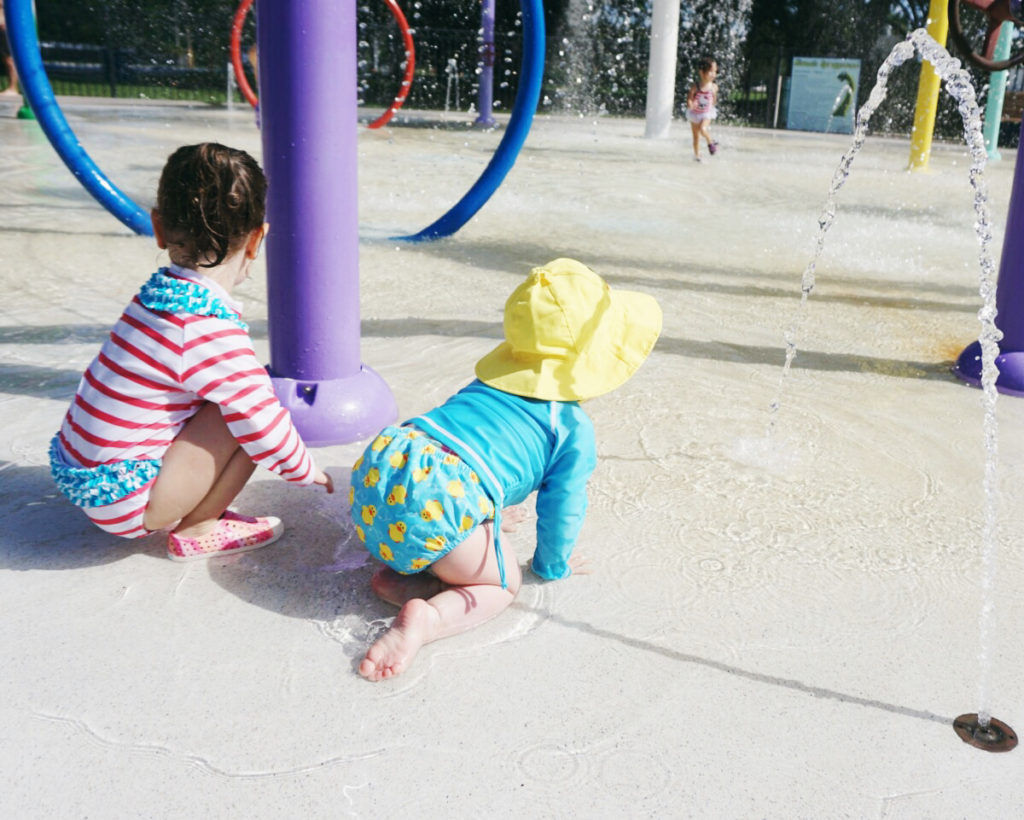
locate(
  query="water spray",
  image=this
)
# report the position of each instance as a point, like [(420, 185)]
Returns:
[(981, 729), (989, 734)]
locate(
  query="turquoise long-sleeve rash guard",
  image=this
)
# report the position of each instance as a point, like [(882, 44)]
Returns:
[(517, 446)]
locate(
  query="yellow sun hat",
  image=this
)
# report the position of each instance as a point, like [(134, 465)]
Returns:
[(569, 337)]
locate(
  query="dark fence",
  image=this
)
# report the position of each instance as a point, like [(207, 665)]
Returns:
[(752, 93), (446, 68), (446, 71), (89, 70), (447, 75)]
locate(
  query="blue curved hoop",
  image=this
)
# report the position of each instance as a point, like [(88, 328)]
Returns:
[(21, 29), (527, 96), (25, 50)]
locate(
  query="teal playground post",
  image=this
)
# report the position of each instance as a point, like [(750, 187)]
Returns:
[(997, 93)]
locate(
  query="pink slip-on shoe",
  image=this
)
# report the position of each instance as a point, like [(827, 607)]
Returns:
[(234, 533), (713, 148)]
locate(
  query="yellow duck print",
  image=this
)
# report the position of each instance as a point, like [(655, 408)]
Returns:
[(432, 511), (420, 473), (358, 464), (450, 459), (397, 495), (369, 512), (385, 552), (372, 477), (419, 563), (486, 507), (398, 460), (360, 534), (455, 489), (380, 443), (351, 495), (436, 543), (474, 477), (397, 531), (429, 449), (467, 523)]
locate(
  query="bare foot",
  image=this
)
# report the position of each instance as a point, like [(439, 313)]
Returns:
[(414, 625), (398, 589), (512, 517)]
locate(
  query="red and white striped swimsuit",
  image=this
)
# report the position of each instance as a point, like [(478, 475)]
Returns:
[(151, 376)]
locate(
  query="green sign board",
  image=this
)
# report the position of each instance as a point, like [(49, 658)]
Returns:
[(823, 94)]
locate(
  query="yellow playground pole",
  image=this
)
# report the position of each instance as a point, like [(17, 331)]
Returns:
[(928, 91)]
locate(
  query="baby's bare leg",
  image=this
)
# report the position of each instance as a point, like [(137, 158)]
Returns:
[(472, 594), (397, 589)]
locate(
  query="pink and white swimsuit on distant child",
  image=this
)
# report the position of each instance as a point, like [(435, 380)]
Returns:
[(178, 344), (703, 107)]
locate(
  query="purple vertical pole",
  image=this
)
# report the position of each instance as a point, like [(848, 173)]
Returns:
[(1009, 299), (485, 97), (307, 77)]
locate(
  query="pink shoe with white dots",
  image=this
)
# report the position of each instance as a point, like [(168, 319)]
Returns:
[(234, 533)]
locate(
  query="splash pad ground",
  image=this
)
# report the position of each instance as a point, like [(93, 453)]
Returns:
[(763, 636)]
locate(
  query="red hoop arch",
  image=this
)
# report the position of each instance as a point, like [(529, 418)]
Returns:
[(236, 52), (410, 65), (410, 59)]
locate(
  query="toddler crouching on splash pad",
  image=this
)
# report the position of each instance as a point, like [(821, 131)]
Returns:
[(173, 414), (427, 496)]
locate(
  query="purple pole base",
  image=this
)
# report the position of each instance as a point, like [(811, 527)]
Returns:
[(1010, 380), (485, 121), (337, 411), (1009, 298)]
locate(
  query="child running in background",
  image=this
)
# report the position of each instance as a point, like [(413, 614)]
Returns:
[(700, 106), (174, 413), (428, 495)]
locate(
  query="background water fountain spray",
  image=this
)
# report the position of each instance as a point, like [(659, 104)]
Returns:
[(958, 84)]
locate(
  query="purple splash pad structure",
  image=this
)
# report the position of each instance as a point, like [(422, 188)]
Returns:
[(1009, 300), (307, 76), (337, 411), (1010, 381), (485, 95)]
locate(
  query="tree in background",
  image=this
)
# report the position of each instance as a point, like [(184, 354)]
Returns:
[(860, 29), (908, 15), (718, 29), (180, 32), (783, 29), (596, 56), (449, 29), (599, 56)]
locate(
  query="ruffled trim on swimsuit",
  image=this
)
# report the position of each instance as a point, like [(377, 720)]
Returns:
[(169, 294), (100, 485)]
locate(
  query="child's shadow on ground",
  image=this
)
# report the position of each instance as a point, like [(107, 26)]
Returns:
[(318, 571), (42, 530), (321, 573), (316, 567), (301, 575)]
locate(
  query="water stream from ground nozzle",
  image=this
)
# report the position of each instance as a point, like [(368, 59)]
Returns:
[(958, 83)]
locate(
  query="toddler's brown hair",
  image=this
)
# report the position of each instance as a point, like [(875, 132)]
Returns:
[(210, 198)]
